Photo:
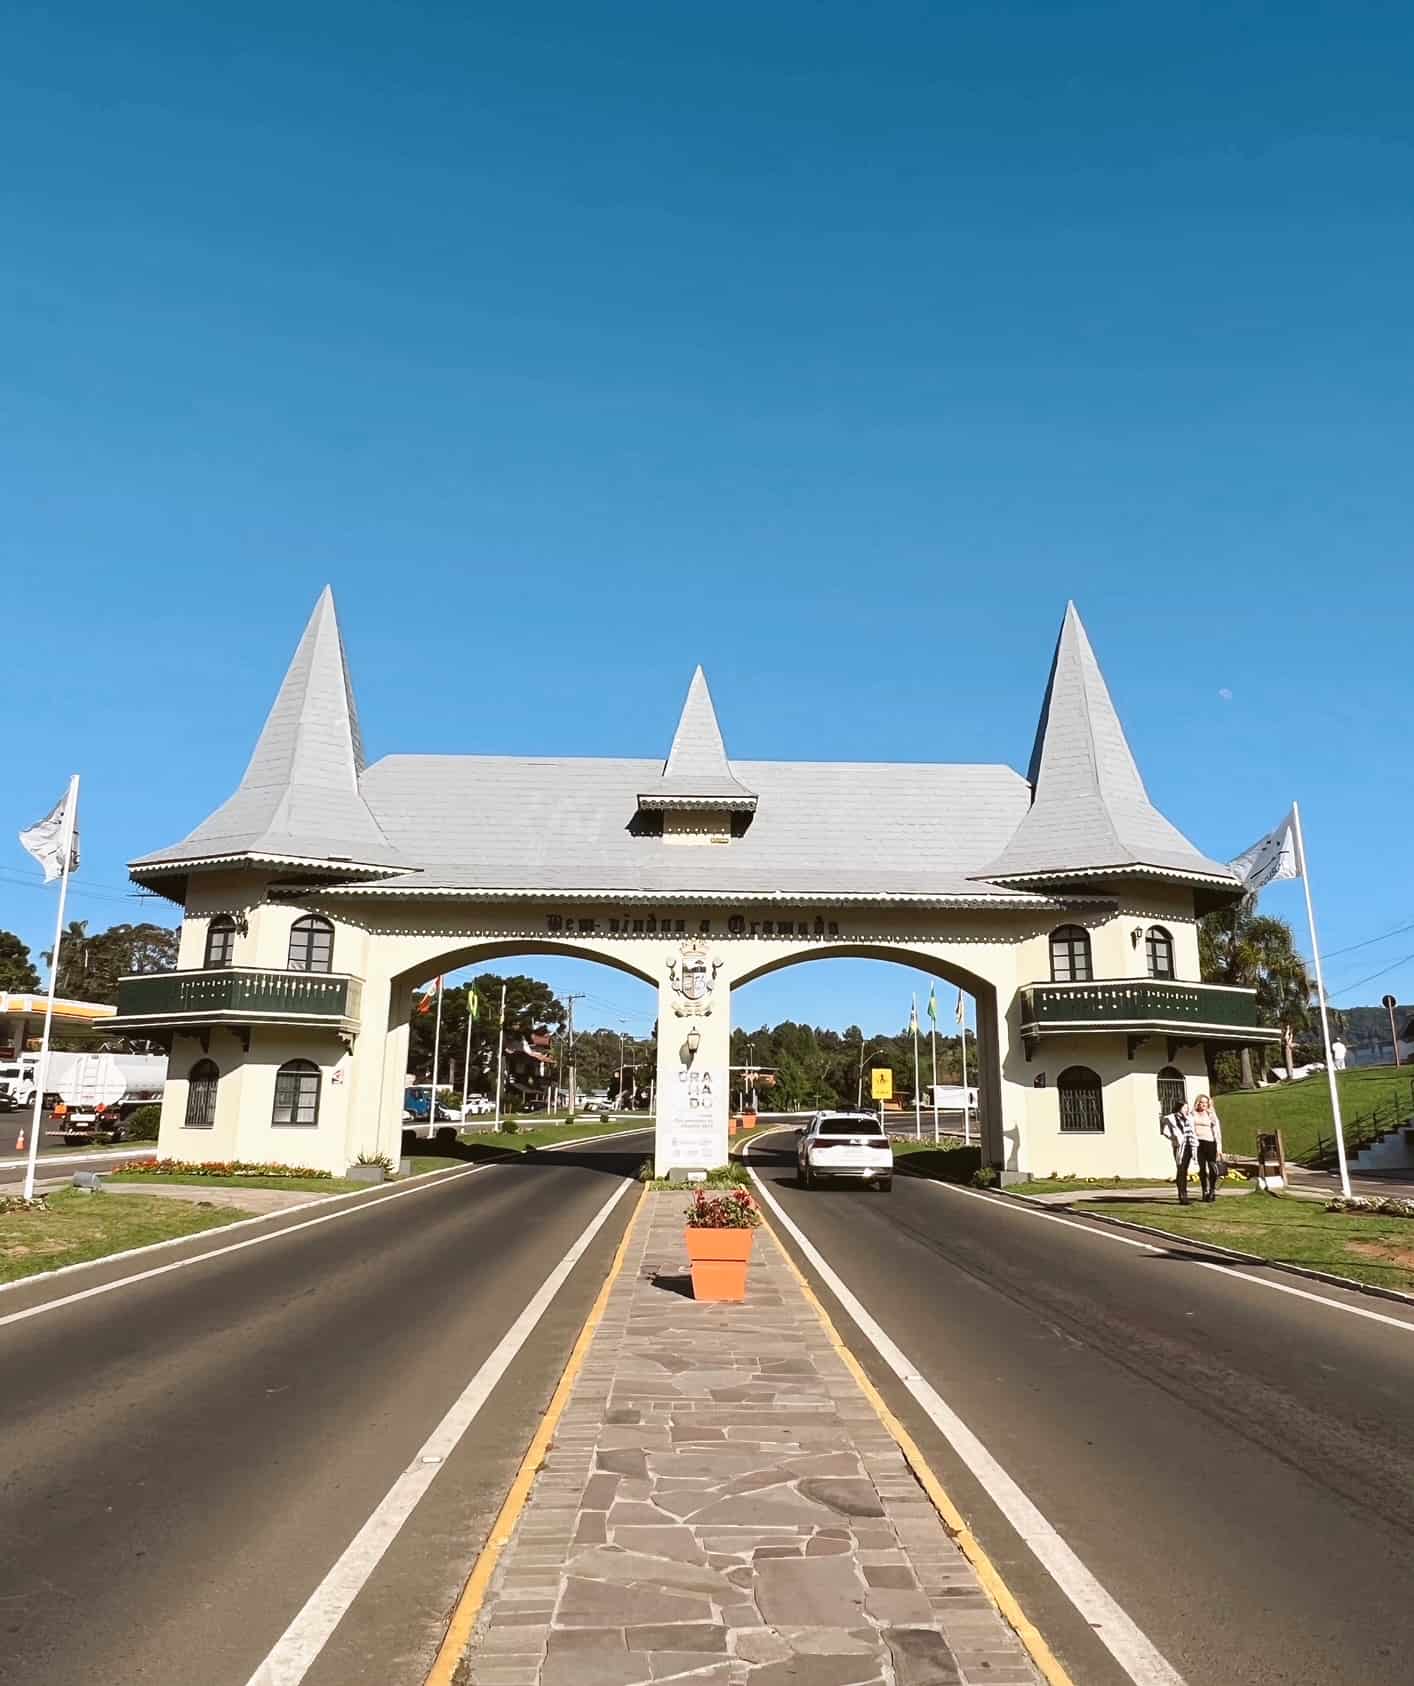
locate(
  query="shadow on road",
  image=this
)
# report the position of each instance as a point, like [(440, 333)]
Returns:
[(605, 1157)]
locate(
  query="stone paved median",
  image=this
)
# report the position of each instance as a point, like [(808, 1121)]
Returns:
[(722, 1504)]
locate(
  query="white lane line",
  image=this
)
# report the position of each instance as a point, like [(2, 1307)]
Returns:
[(425, 1180), (1226, 1271), (1144, 1664), (306, 1636), (57, 1161)]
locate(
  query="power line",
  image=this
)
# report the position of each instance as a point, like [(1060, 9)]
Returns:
[(1345, 989), (1369, 942)]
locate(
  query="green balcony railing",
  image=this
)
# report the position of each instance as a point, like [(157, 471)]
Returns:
[(1129, 1003), (237, 994)]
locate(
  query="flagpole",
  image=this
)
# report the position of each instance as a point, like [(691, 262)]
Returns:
[(500, 1055), (71, 810), (917, 1098), (1321, 997), (466, 1063), (966, 1109), (933, 1039), (436, 1060)]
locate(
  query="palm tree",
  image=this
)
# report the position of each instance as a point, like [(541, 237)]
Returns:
[(73, 958), (1238, 945)]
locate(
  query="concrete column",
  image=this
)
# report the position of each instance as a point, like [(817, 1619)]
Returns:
[(693, 1095), (394, 1040)]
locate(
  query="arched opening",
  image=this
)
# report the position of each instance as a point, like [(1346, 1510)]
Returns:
[(573, 1039), (297, 1088), (201, 1095), (1070, 955), (1158, 952), (828, 1017), (221, 941), (311, 945), (1173, 1090), (1082, 1101)]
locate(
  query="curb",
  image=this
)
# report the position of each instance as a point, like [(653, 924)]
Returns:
[(1327, 1276)]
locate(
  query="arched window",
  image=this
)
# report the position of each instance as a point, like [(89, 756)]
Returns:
[(221, 940), (296, 1093), (1173, 1090), (201, 1095), (1082, 1107), (311, 945), (1070, 955), (1158, 945)]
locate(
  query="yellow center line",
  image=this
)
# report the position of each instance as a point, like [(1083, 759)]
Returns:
[(473, 1594), (1052, 1670)]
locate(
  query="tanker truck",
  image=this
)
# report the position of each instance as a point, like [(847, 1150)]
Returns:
[(99, 1092)]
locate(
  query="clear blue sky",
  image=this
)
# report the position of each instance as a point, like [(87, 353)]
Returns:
[(832, 345)]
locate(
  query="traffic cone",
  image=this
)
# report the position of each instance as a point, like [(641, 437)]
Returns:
[(20, 1144)]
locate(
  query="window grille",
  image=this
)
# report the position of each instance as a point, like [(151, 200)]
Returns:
[(1082, 1107), (1173, 1090), (201, 1095)]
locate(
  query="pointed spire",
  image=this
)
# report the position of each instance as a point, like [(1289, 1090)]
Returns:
[(697, 772), (1089, 808), (299, 796)]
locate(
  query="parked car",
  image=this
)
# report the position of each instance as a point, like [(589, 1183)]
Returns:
[(597, 1105), (418, 1111), (850, 1146), (478, 1106)]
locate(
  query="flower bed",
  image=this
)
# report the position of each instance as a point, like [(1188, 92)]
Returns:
[(1385, 1206), (218, 1168)]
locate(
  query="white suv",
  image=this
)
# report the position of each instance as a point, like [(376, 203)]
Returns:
[(848, 1145)]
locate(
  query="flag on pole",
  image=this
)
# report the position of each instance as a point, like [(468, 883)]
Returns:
[(427, 1002), (45, 840), (473, 1003), (957, 1011), (1271, 857), (933, 1004), (913, 1018)]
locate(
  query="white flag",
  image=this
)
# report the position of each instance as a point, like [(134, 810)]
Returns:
[(45, 841), (1271, 857), (913, 1017)]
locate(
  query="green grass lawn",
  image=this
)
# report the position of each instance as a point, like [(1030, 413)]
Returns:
[(948, 1162), (1092, 1185), (296, 1185), (81, 1226), (547, 1135), (1292, 1231), (1302, 1111)]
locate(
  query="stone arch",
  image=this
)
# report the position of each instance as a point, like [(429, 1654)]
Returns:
[(997, 1149)]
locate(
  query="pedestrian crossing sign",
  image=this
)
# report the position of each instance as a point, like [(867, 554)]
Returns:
[(881, 1084)]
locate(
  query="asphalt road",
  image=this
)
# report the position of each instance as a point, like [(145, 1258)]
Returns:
[(188, 1455), (1235, 1464)]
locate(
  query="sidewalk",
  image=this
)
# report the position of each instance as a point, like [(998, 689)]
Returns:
[(722, 1504)]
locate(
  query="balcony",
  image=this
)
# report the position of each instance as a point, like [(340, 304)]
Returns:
[(238, 997), (1141, 1007)]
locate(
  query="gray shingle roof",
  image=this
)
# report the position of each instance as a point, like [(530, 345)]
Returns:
[(1090, 809), (299, 798), (697, 773), (820, 828)]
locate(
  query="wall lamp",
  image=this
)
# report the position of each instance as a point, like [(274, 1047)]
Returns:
[(691, 1044)]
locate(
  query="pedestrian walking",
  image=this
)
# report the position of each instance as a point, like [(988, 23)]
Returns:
[(1208, 1135), (1178, 1127)]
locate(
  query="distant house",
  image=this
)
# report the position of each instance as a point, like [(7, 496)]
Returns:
[(1406, 1042)]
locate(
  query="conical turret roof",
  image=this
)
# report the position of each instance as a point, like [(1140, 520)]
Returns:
[(697, 773), (1089, 809), (299, 798)]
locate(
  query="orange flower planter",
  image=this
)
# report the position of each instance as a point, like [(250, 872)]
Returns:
[(719, 1258)]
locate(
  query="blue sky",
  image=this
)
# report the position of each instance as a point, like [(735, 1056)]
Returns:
[(833, 346)]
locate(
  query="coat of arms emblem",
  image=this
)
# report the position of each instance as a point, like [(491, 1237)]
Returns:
[(692, 975)]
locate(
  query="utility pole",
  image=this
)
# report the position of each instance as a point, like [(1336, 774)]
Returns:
[(621, 1068), (574, 1075)]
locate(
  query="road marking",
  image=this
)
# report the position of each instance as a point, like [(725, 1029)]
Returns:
[(468, 1606), (306, 1636), (1051, 1667), (58, 1160), (422, 1182), (1227, 1271), (1141, 1661)]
